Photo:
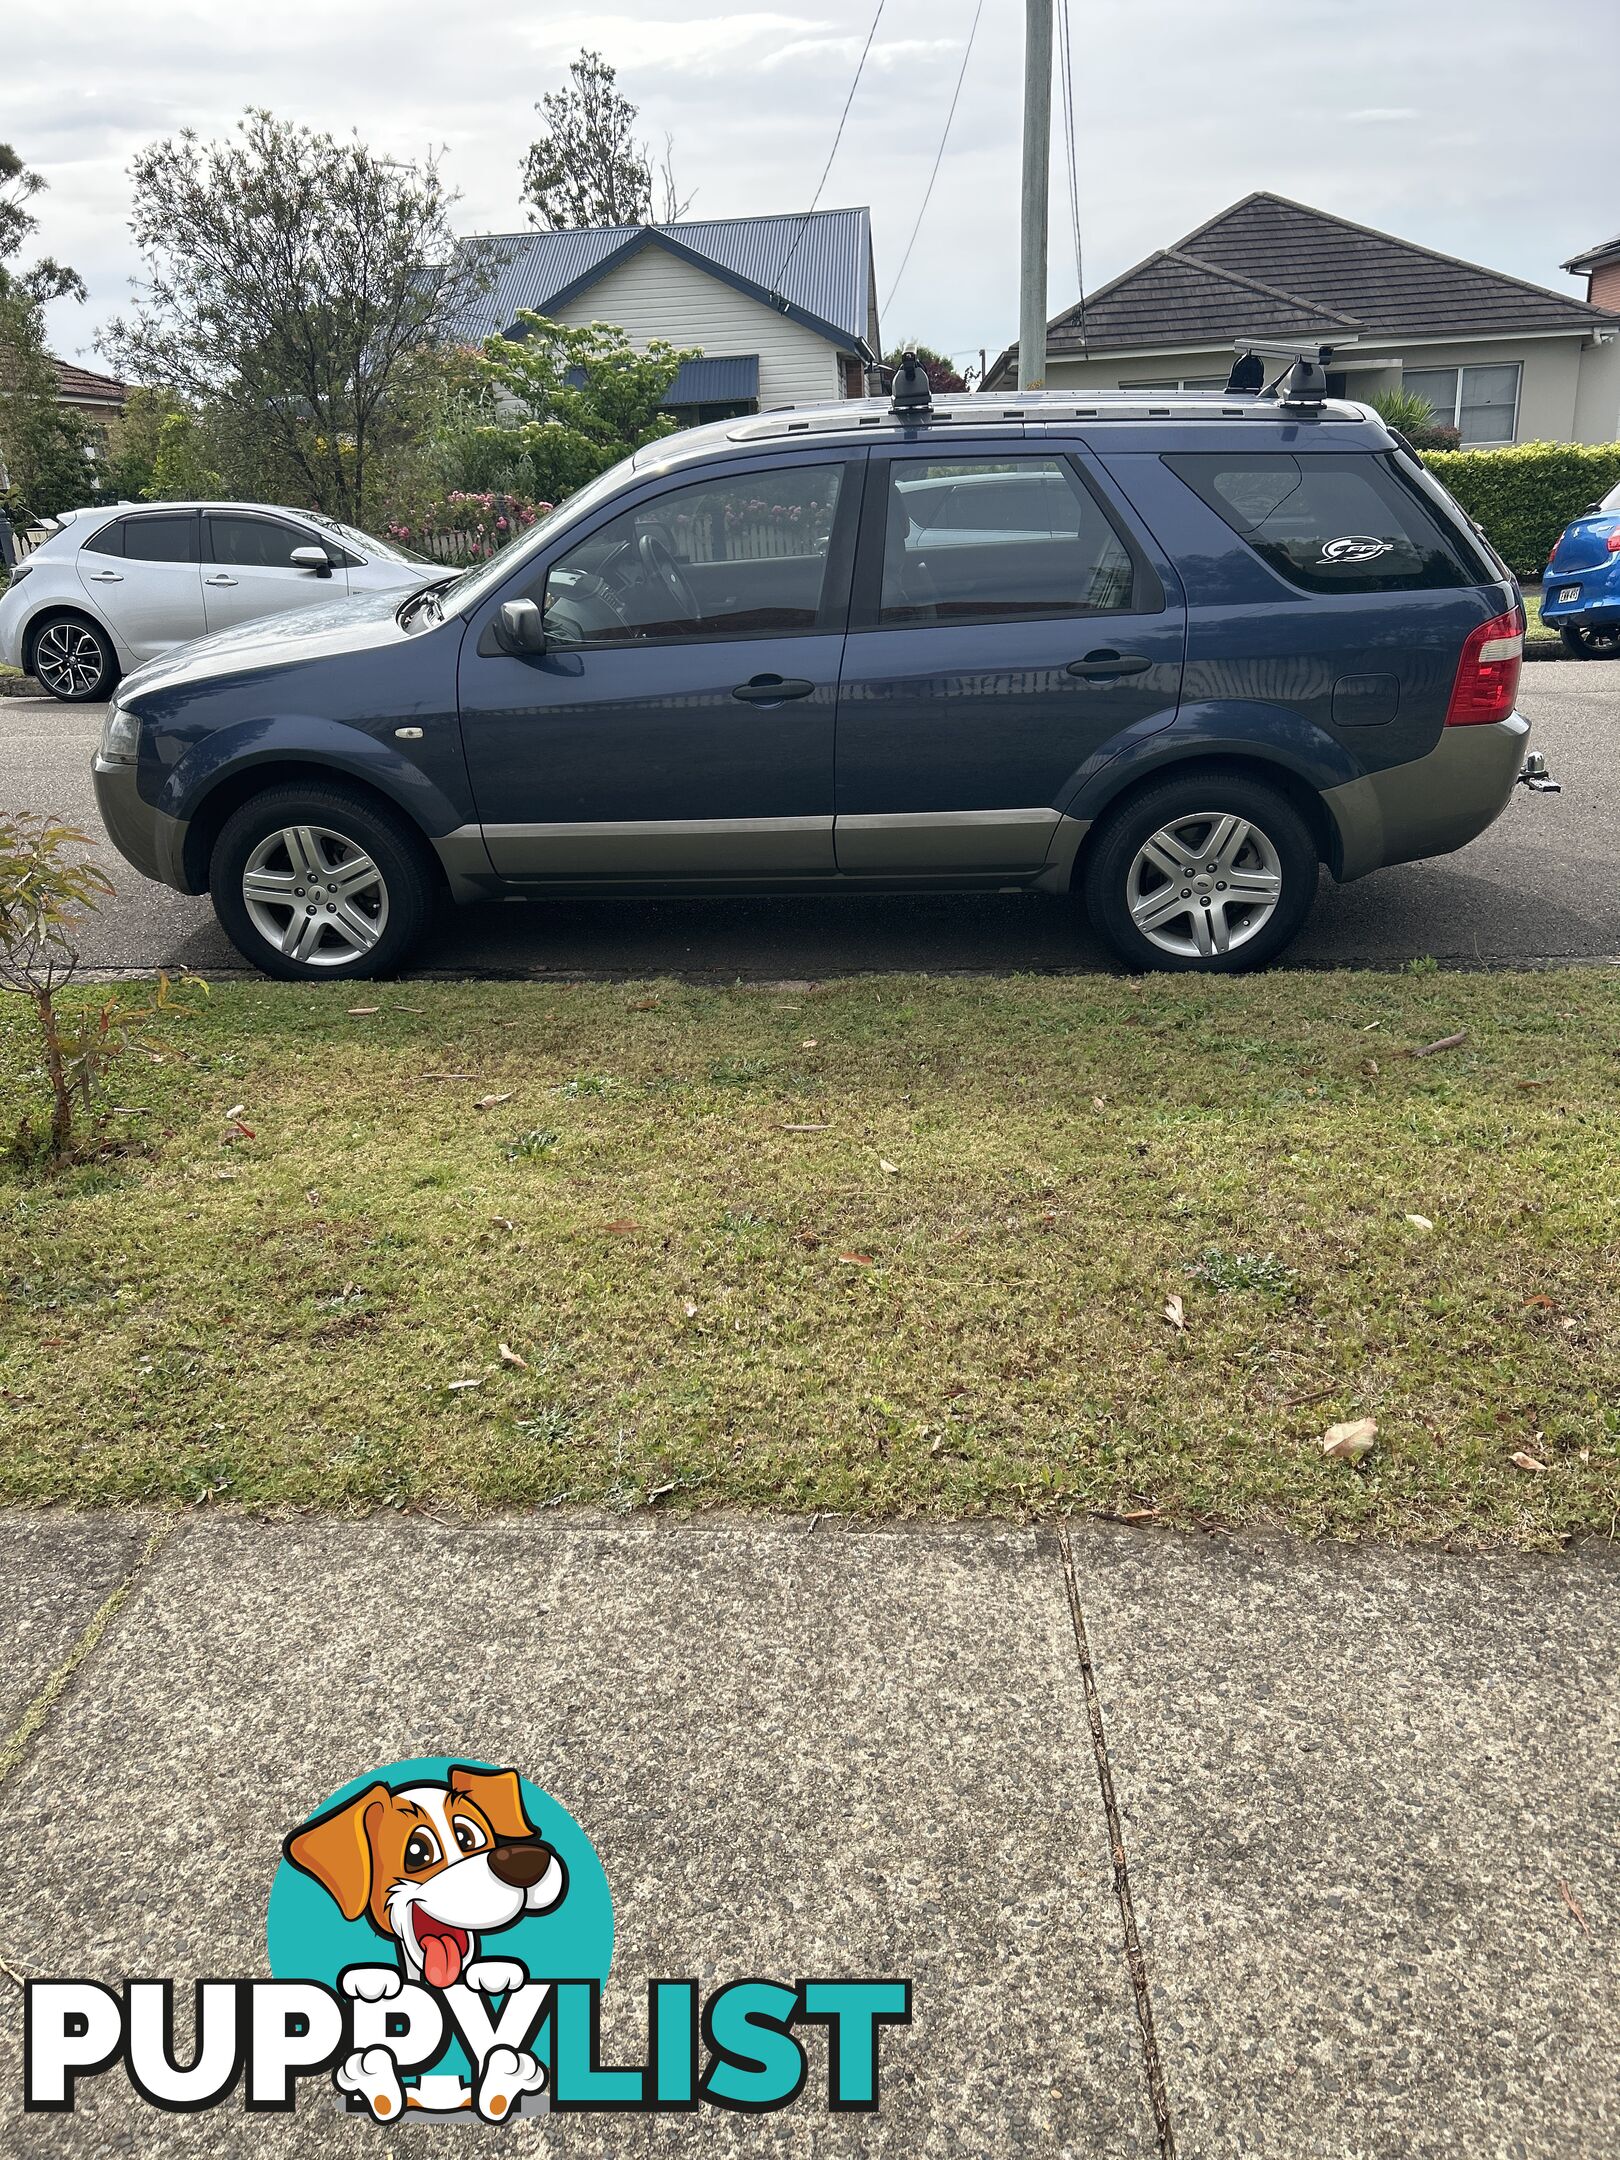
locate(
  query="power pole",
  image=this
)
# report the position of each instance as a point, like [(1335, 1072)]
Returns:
[(1037, 178)]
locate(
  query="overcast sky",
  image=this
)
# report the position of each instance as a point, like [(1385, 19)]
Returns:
[(1481, 127)]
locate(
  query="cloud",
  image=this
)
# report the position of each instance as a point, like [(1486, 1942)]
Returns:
[(1380, 114)]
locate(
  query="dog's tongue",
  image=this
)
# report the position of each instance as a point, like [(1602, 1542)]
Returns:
[(441, 1960)]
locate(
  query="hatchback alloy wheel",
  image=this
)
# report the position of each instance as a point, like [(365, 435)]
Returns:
[(70, 660), (315, 896), (1591, 641), (1203, 885)]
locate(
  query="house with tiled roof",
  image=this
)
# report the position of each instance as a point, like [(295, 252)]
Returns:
[(782, 308), (1497, 358)]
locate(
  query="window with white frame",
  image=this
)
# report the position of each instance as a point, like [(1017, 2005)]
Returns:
[(1187, 382), (1482, 403)]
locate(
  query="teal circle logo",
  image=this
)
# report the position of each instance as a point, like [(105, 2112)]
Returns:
[(393, 1856)]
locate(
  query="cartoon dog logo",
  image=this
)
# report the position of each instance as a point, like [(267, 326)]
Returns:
[(434, 1868)]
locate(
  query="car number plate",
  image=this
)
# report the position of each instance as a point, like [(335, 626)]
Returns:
[(1566, 593)]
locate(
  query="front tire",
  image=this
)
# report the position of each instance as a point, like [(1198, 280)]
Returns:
[(317, 884), (1582, 643), (1213, 874), (73, 659)]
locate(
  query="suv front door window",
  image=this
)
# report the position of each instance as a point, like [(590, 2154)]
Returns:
[(680, 720)]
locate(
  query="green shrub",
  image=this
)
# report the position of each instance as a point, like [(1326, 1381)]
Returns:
[(1524, 497)]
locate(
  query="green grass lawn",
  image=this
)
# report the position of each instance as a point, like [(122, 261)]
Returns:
[(893, 1246), (1536, 631)]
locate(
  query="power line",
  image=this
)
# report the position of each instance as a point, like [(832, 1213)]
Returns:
[(1066, 64), (781, 275), (967, 54)]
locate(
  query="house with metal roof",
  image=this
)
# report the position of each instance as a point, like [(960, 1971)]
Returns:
[(1501, 360), (783, 309)]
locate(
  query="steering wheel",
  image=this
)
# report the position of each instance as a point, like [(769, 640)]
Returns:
[(658, 559)]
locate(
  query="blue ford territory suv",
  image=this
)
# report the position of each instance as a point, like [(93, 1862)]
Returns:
[(1173, 655)]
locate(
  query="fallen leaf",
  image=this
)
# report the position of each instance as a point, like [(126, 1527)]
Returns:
[(1175, 1312), (1521, 1461), (893, 1168), (362, 1012), (1538, 1299), (1527, 1084), (688, 1308), (857, 1259), (410, 1008), (643, 1004), (807, 1128), (510, 1357), (1371, 1024), (622, 1227), (236, 1110), (246, 1131), (1350, 1441), (810, 1042), (1099, 1102), (1420, 1222), (503, 1222), (454, 1386), (1139, 1514), (1446, 1042), (491, 1102), (1568, 1897), (1370, 1068)]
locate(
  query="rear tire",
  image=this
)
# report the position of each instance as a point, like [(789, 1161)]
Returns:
[(73, 659), (320, 884), (1582, 643), (1212, 874)]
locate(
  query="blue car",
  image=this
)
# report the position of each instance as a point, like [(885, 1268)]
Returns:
[(1170, 654), (1580, 591)]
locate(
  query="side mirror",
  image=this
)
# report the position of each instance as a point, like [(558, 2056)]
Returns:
[(520, 627), (311, 558)]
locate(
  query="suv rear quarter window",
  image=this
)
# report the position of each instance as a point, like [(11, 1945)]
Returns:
[(1327, 521)]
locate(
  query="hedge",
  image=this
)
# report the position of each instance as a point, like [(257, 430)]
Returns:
[(1524, 497)]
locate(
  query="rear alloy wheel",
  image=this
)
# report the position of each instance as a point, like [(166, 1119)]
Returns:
[(1600, 641), (1213, 874), (311, 884), (73, 660)]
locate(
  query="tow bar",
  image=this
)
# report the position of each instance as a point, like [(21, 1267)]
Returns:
[(1537, 778)]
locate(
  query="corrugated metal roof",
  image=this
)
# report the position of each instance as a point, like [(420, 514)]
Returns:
[(820, 264)]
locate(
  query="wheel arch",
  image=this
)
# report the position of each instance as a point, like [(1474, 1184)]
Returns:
[(1245, 764), (239, 784), (49, 611)]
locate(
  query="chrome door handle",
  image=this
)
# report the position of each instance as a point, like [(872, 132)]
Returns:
[(222, 579), (772, 689), (1097, 666), (106, 577)]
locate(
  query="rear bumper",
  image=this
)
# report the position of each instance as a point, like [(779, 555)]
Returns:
[(155, 844), (1432, 804), (1598, 598)]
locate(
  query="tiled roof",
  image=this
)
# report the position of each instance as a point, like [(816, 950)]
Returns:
[(1589, 258), (83, 386), (1268, 266), (819, 265)]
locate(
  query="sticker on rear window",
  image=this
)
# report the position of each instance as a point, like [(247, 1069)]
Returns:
[(1355, 547)]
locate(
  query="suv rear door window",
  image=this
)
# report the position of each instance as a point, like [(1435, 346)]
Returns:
[(980, 539), (1331, 522)]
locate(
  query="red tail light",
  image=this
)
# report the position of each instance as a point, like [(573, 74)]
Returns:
[(1613, 541), (1488, 673)]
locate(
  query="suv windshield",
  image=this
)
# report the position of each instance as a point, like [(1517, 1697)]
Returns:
[(467, 590)]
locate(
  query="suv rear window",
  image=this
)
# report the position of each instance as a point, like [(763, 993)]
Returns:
[(1332, 522)]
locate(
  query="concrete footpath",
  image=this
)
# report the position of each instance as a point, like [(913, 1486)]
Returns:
[(1202, 1846)]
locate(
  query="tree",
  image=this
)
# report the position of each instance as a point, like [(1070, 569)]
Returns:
[(588, 168), (588, 399), (942, 376), (296, 288), (42, 447)]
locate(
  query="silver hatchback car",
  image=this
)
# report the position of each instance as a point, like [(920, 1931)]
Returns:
[(114, 587)]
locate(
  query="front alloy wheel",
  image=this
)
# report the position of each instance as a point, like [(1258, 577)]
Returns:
[(314, 882), (1590, 641), (315, 895), (73, 661)]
